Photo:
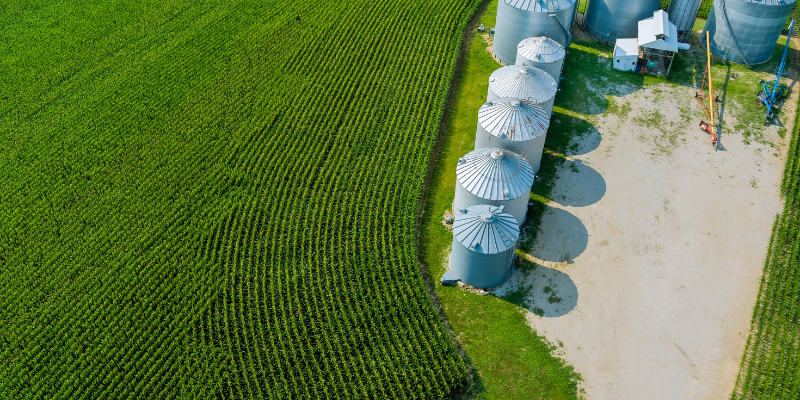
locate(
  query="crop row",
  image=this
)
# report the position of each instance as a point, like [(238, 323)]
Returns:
[(218, 200), (770, 366)]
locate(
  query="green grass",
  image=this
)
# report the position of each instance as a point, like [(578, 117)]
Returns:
[(218, 199), (510, 359), (741, 114)]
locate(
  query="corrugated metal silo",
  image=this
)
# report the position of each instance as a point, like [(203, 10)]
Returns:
[(523, 83), (484, 239), (543, 53), (745, 31), (609, 20), (494, 177), (683, 13), (520, 19), (516, 125)]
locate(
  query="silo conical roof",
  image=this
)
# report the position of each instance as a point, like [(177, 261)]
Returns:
[(540, 6), (486, 229), (523, 82), (541, 49), (515, 120), (495, 174)]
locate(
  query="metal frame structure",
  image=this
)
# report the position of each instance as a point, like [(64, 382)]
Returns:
[(773, 90), (708, 126), (649, 55)]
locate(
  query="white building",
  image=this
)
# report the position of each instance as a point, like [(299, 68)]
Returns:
[(626, 54), (656, 46)]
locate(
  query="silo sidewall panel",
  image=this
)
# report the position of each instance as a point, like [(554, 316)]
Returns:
[(548, 106), (507, 30), (530, 149), (609, 20), (533, 152), (480, 270), (553, 68), (683, 13), (756, 28), (514, 25), (483, 139), (517, 207)]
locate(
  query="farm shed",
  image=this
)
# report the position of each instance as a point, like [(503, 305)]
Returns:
[(626, 54), (658, 43)]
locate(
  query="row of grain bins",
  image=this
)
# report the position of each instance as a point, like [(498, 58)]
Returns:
[(493, 182)]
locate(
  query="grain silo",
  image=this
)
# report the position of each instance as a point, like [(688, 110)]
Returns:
[(520, 19), (494, 177), (543, 53), (484, 239), (609, 20), (683, 14), (745, 31), (523, 83), (516, 125)]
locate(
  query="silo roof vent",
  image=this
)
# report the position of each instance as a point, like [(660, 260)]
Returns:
[(486, 229), (527, 83), (515, 120), (495, 174), (541, 49)]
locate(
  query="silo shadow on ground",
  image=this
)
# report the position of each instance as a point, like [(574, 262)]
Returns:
[(579, 185), (562, 237), (572, 136), (544, 291), (589, 79)]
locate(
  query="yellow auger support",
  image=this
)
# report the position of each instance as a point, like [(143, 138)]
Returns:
[(710, 88)]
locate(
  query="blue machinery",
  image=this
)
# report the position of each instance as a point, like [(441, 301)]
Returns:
[(773, 91)]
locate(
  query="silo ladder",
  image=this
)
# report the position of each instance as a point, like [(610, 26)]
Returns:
[(730, 30)]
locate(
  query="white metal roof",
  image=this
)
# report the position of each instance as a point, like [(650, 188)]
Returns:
[(541, 49), (540, 5), (515, 120), (658, 33), (627, 47), (486, 229), (495, 174), (523, 82)]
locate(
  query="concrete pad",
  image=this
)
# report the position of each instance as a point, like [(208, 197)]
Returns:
[(653, 248)]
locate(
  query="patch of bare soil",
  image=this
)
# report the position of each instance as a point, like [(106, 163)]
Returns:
[(649, 258)]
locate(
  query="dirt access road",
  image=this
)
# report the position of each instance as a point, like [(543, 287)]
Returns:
[(649, 258)]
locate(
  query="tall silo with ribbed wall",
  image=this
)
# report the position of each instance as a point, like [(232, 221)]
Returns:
[(522, 82), (494, 177), (683, 14), (609, 20), (543, 53), (520, 19), (484, 240), (516, 125), (746, 31)]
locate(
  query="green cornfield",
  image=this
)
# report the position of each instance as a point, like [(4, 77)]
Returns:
[(770, 367), (217, 199)]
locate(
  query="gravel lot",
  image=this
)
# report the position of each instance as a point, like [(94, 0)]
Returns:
[(649, 258)]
